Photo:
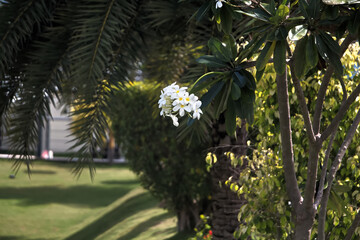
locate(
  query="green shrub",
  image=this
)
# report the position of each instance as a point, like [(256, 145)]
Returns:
[(172, 171)]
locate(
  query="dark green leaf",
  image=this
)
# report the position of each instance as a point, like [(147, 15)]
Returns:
[(210, 95), (222, 100), (230, 118), (239, 79), (265, 55), (235, 91), (280, 57), (202, 82), (202, 11), (300, 57), (226, 19), (312, 56), (220, 51), (211, 61), (314, 8), (230, 42), (250, 80)]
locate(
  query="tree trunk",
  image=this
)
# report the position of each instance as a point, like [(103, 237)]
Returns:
[(187, 218), (225, 203), (303, 225)]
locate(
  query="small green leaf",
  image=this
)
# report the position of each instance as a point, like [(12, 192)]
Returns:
[(265, 55), (235, 91), (211, 61), (300, 57), (230, 118), (280, 57)]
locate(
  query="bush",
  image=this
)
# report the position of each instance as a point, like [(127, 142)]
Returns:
[(172, 171)]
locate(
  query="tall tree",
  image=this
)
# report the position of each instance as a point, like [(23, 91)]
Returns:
[(320, 33)]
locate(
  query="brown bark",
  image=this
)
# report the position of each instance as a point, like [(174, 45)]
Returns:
[(225, 203)]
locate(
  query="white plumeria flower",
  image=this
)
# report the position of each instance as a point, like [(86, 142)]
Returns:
[(181, 108), (175, 100), (218, 4), (197, 113)]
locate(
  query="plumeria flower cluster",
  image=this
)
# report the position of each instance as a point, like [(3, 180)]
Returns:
[(175, 100)]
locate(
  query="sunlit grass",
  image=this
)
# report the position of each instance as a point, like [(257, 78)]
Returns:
[(52, 204)]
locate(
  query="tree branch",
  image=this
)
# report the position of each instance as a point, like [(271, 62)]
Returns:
[(340, 114), (324, 171), (352, 228), (324, 85), (303, 107), (334, 168), (292, 187)]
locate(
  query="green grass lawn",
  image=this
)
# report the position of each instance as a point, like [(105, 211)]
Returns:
[(52, 204)]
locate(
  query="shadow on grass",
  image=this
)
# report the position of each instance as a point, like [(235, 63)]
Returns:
[(130, 207), (34, 171), (81, 196), (121, 182), (143, 226), (19, 238)]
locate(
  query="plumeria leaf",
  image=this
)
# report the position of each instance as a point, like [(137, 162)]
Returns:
[(300, 57), (204, 81), (280, 57), (239, 79), (250, 80), (220, 50), (235, 91), (211, 61), (312, 56), (230, 42), (265, 55), (211, 94)]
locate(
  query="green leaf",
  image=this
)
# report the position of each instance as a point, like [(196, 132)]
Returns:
[(239, 79), (250, 80), (220, 51), (230, 42), (226, 19), (314, 8), (280, 57), (203, 10), (297, 32), (211, 61), (235, 91), (312, 56), (330, 51), (230, 118), (211, 94), (220, 104), (244, 107), (202, 82), (255, 14), (265, 55), (300, 57)]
